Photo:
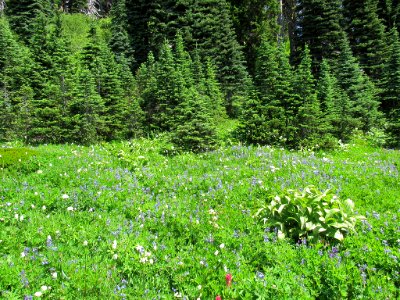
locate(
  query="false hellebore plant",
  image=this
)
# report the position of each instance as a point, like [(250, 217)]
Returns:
[(311, 214)]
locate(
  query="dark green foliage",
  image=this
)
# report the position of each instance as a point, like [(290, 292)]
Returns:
[(366, 35), (120, 42), (15, 66), (305, 107), (194, 128), (358, 87), (214, 37), (318, 27), (266, 118), (176, 101), (22, 13), (335, 105), (391, 96), (252, 20)]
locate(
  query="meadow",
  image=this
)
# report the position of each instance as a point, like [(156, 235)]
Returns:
[(135, 220)]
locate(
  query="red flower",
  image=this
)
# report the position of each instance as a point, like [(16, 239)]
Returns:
[(218, 297), (228, 278)]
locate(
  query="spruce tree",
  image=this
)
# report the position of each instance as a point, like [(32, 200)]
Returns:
[(268, 116), (254, 20), (15, 67), (194, 127), (359, 88), (22, 14), (308, 117), (319, 27), (366, 35), (335, 105), (213, 35), (120, 42), (391, 97), (86, 109)]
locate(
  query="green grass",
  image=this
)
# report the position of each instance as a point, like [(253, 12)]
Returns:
[(121, 219)]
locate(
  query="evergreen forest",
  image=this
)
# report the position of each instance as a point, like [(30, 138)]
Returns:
[(296, 74)]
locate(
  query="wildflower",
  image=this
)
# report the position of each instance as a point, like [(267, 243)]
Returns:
[(85, 243), (218, 297), (44, 288), (115, 257), (39, 172), (222, 246), (65, 196), (70, 208), (216, 252), (228, 279), (114, 245), (199, 287), (54, 275), (38, 294)]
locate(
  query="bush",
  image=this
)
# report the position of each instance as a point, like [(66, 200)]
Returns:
[(17, 159), (311, 214)]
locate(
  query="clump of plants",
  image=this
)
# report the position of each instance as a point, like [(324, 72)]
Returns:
[(311, 214), (17, 158)]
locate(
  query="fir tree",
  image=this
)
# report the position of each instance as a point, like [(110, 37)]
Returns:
[(308, 118), (319, 27), (335, 105), (391, 97), (22, 13), (359, 88), (120, 42), (366, 35), (194, 127)]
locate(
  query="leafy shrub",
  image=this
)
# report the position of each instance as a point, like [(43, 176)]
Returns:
[(311, 214), (17, 159)]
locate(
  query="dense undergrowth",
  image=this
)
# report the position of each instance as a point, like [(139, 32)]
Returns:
[(135, 220)]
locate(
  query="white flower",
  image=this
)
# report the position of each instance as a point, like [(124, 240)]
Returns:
[(54, 275), (32, 206), (16, 216), (44, 288), (151, 261), (70, 208), (65, 196), (85, 243), (114, 245), (38, 294), (115, 257), (23, 254), (222, 246), (216, 252), (44, 207), (39, 172), (199, 287)]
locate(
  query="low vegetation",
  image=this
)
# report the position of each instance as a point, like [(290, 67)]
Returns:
[(137, 220)]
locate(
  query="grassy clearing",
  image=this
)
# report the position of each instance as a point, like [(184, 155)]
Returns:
[(123, 221)]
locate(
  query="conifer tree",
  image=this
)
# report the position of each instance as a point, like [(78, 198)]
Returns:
[(86, 109), (194, 127), (213, 34), (391, 96), (308, 117), (366, 35), (120, 42), (254, 20), (359, 88), (268, 116), (319, 27), (335, 105), (15, 66), (22, 13)]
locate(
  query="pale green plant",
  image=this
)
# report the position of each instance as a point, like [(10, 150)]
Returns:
[(311, 214)]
